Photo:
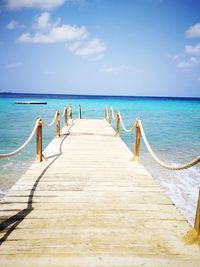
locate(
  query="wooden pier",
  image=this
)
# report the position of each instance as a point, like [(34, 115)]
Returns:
[(88, 205)]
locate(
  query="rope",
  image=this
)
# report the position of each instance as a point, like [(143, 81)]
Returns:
[(53, 121), (125, 129), (6, 155), (169, 167), (113, 114), (63, 112)]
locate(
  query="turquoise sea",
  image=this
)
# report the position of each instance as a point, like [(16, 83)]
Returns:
[(172, 126)]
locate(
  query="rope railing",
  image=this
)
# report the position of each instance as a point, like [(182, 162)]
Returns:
[(67, 113), (63, 114), (109, 116), (6, 155), (139, 132), (113, 114), (161, 163), (52, 122), (123, 126)]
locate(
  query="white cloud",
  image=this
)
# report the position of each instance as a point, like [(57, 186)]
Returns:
[(75, 46), (43, 22), (107, 70), (41, 4), (110, 69), (76, 38), (59, 34), (68, 33), (12, 25), (188, 60), (93, 47), (98, 57), (193, 31), (185, 63), (89, 48), (193, 50), (13, 65)]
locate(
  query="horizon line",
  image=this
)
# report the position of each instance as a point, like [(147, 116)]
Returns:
[(99, 95)]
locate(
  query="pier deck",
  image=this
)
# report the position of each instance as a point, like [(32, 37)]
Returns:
[(89, 204)]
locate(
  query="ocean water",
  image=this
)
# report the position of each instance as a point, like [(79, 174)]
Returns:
[(172, 126)]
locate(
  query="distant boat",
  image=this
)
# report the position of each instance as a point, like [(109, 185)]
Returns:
[(31, 102)]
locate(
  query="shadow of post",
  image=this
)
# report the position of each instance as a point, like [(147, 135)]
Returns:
[(16, 219)]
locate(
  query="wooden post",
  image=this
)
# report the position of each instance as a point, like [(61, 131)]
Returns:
[(39, 141), (70, 113), (117, 134), (197, 219), (58, 124), (66, 116), (80, 115), (110, 116), (137, 143), (105, 113)]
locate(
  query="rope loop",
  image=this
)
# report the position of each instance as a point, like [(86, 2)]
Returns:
[(161, 163), (113, 114), (52, 122), (123, 126), (6, 155), (63, 114)]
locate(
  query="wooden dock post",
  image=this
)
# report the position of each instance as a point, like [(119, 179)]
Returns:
[(66, 116), (197, 218), (136, 156), (58, 124), (39, 141), (117, 134), (110, 116), (105, 113), (70, 113), (79, 109)]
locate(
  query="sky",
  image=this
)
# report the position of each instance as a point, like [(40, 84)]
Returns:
[(100, 47)]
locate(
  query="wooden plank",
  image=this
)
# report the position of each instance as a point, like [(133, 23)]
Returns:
[(89, 204)]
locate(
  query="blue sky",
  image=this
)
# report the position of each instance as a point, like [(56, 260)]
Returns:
[(114, 47)]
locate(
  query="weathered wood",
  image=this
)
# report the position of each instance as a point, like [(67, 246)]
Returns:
[(105, 113), (197, 218), (136, 156), (70, 115), (58, 124), (117, 133), (70, 112), (39, 141), (79, 112), (110, 116), (91, 205), (66, 116)]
